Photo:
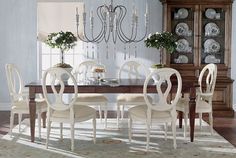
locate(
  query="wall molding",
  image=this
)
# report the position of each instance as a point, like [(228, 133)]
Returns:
[(5, 107)]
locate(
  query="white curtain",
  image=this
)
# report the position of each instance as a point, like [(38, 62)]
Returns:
[(57, 16)]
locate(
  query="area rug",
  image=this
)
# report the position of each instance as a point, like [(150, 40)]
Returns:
[(113, 143)]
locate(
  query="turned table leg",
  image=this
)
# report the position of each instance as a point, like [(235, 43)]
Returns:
[(192, 108), (32, 111)]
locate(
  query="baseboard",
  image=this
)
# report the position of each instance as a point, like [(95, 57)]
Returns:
[(5, 106)]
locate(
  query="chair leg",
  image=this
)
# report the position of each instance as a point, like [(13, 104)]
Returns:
[(11, 122), (94, 129), (48, 131), (122, 112), (118, 114), (200, 120), (174, 133), (166, 127), (105, 115), (39, 124), (130, 123), (211, 122), (19, 120), (61, 131), (72, 136), (100, 112), (185, 124), (148, 133)]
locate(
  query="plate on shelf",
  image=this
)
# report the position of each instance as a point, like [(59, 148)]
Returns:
[(211, 29), (211, 46), (181, 59), (182, 13), (183, 46), (211, 59), (210, 13), (182, 29)]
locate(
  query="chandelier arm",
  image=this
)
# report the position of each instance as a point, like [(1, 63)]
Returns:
[(143, 37), (127, 39), (119, 33)]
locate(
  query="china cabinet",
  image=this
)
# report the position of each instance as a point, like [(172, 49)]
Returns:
[(203, 31)]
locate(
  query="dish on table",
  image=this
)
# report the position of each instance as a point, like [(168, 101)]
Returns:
[(113, 82), (211, 29)]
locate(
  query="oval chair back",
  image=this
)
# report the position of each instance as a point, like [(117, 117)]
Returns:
[(14, 82), (164, 79), (56, 101), (209, 72), (132, 70), (85, 70)]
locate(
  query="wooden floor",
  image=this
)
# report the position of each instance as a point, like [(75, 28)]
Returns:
[(226, 127)]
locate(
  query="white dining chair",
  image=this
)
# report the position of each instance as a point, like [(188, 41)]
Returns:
[(204, 95), (84, 72), (20, 97), (62, 110), (162, 110), (130, 70)]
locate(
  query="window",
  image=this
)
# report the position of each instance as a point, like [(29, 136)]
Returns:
[(54, 17)]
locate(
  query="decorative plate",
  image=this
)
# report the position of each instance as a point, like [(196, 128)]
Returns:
[(210, 13), (211, 29), (181, 14), (211, 46), (182, 59), (182, 29), (211, 59), (183, 46)]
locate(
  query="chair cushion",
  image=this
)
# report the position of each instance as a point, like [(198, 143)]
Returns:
[(91, 97), (129, 98), (203, 106), (22, 105), (80, 111), (183, 105), (140, 111)]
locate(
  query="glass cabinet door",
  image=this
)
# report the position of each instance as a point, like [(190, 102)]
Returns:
[(182, 26), (212, 35)]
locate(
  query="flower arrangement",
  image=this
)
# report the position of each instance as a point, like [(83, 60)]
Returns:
[(164, 40), (63, 41)]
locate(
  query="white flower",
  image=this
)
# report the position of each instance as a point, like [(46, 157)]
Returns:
[(54, 38), (149, 36), (155, 40), (157, 33)]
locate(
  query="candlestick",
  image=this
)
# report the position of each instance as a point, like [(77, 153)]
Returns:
[(146, 7)]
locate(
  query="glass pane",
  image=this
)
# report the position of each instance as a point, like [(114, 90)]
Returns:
[(182, 24), (213, 36)]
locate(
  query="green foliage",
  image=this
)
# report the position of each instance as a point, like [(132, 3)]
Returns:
[(164, 40), (62, 40)]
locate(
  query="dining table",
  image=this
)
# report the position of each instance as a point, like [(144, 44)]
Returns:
[(189, 85)]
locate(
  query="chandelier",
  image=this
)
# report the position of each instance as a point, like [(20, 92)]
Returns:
[(111, 18)]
